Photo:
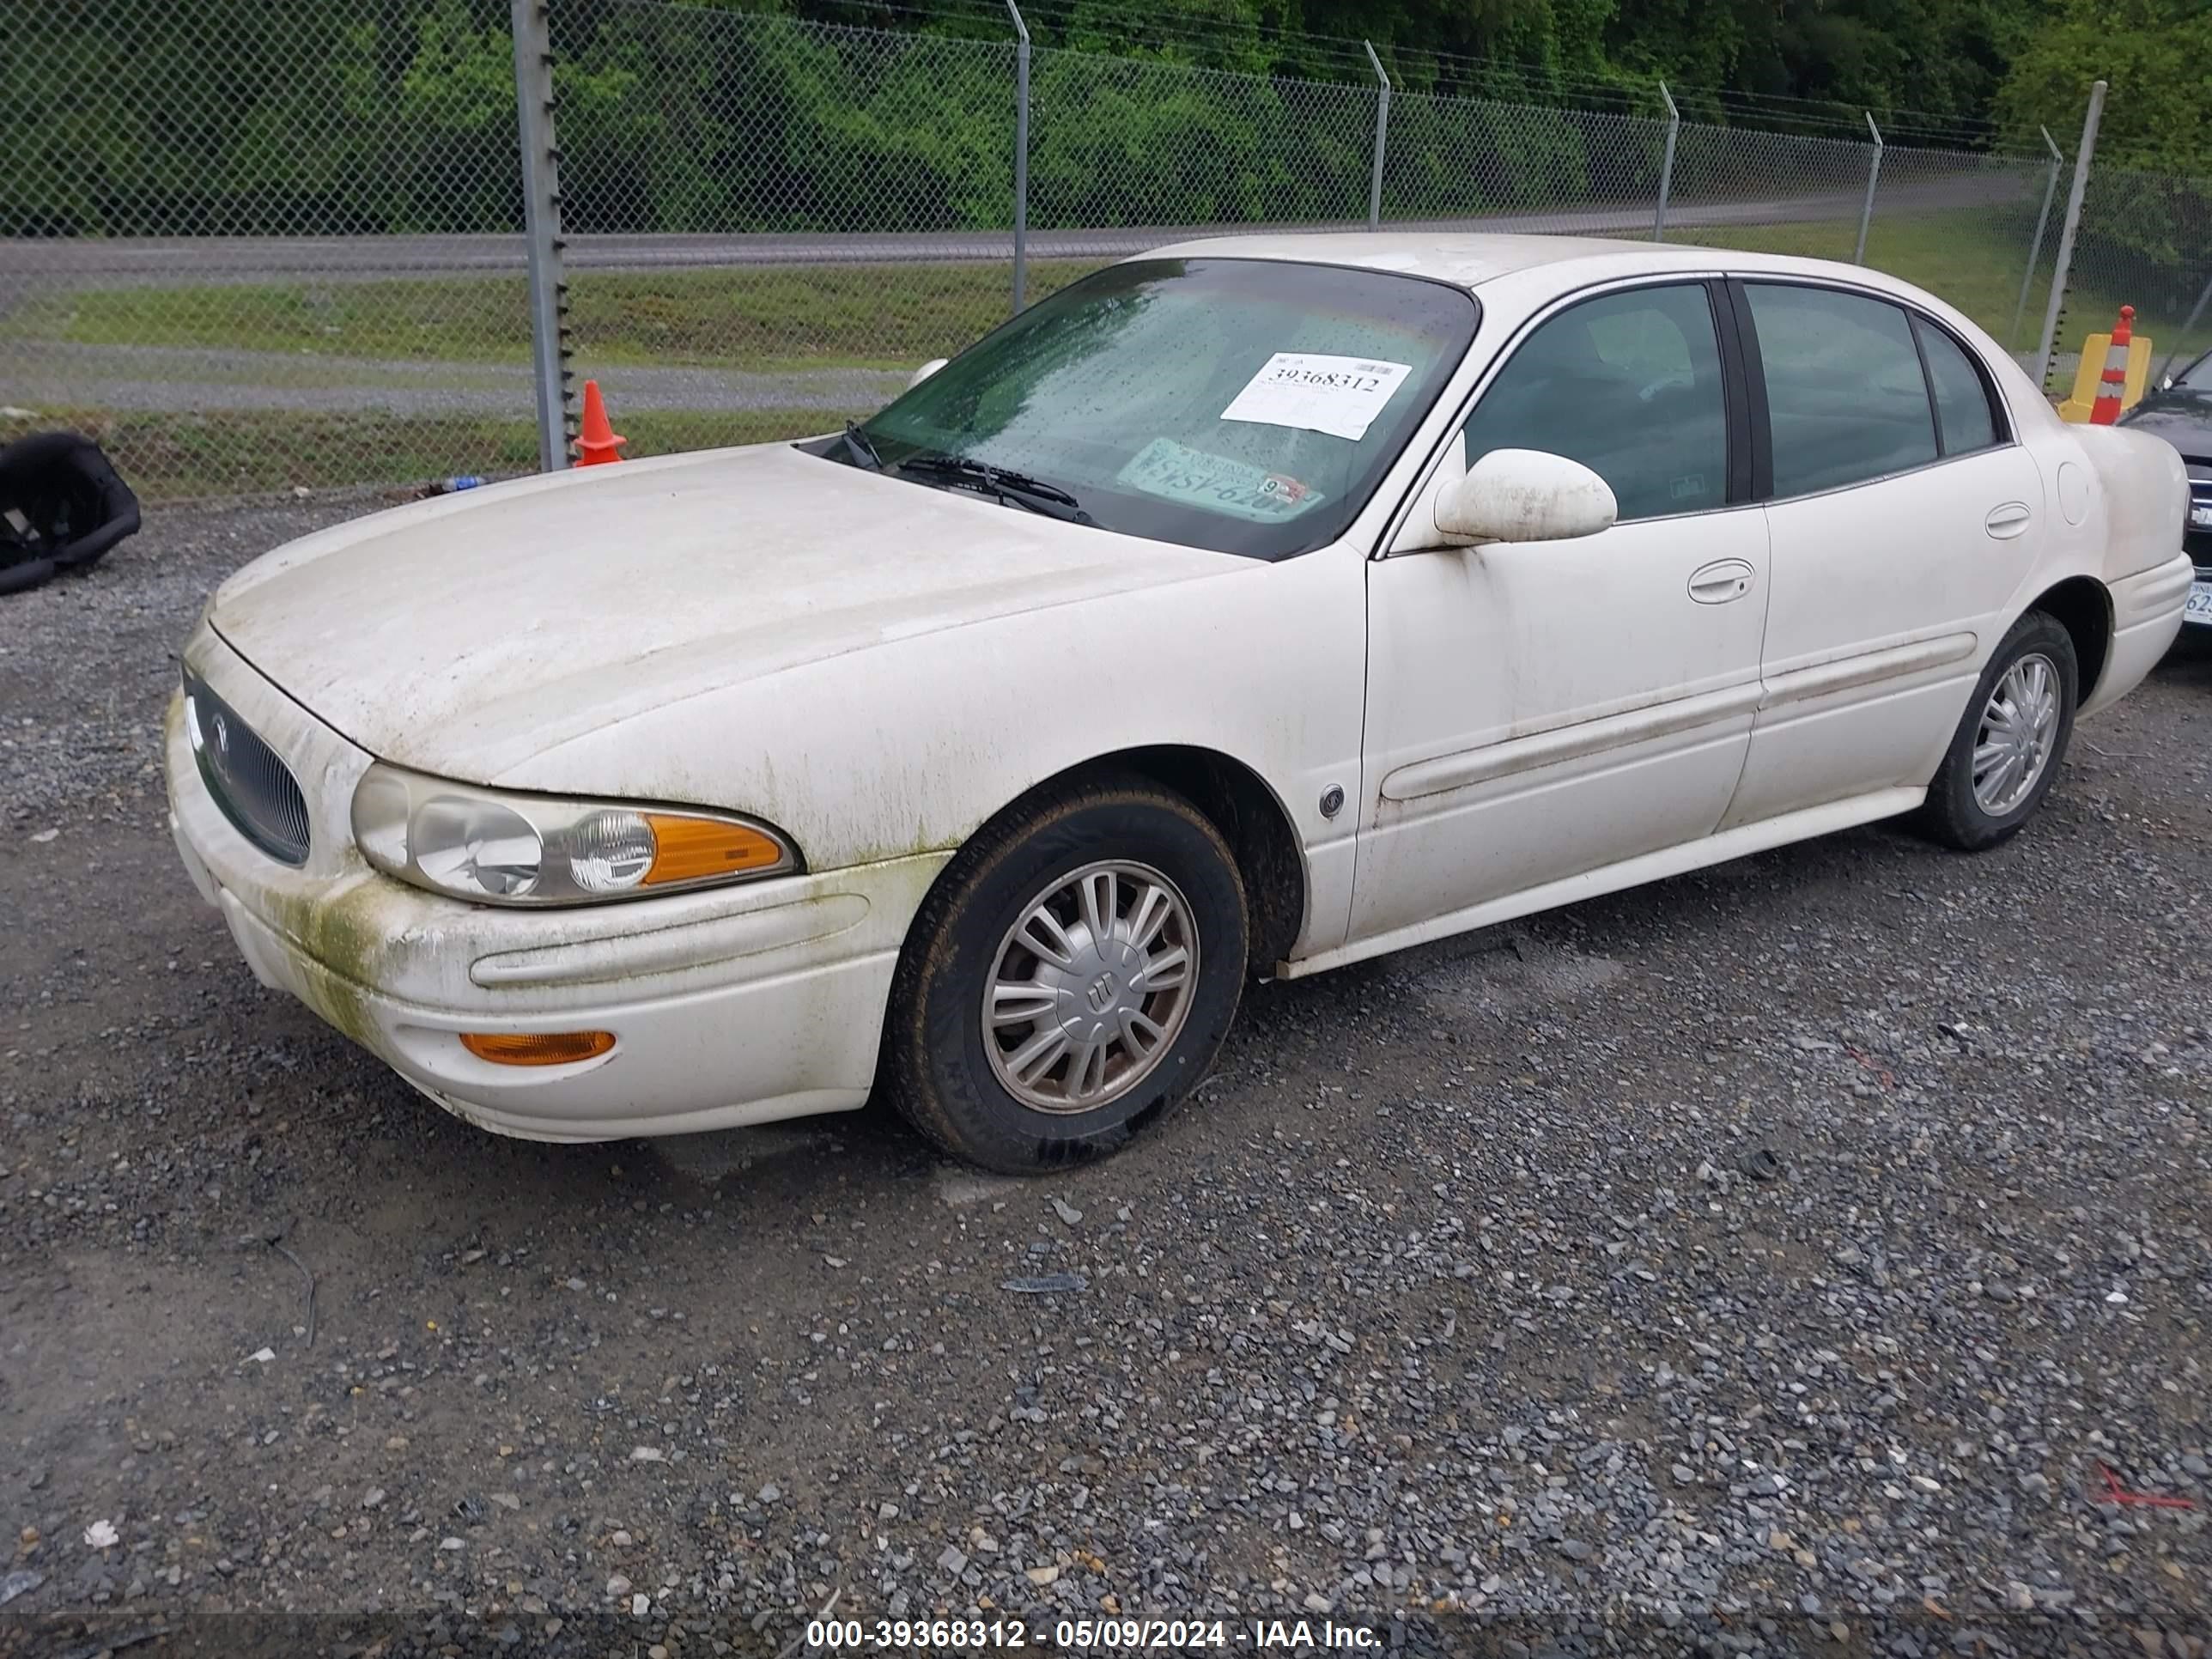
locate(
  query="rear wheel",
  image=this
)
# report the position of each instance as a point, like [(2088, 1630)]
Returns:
[(2010, 741), (1069, 979)]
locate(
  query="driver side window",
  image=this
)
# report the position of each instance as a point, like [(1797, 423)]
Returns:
[(1628, 384)]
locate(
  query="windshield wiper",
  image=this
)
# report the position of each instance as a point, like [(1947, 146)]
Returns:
[(1017, 488), (857, 441)]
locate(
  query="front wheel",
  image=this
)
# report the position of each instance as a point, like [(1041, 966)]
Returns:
[(1069, 979), (2010, 741)]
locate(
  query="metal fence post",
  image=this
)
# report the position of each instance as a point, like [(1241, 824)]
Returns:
[(1382, 128), (2073, 223), (1667, 165), (1873, 178), (2035, 242), (541, 230), (1021, 158)]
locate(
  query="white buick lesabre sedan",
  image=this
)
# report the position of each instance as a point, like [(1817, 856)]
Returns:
[(1252, 607)]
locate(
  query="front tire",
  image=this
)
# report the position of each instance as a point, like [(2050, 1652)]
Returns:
[(2009, 742), (1069, 978)]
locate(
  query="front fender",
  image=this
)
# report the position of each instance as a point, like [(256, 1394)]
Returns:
[(909, 745)]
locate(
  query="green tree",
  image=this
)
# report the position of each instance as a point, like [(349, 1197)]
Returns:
[(2155, 56), (2146, 229)]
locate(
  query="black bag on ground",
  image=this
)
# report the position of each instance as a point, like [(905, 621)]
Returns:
[(72, 505)]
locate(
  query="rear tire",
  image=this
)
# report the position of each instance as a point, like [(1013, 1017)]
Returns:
[(2010, 741), (1022, 1059)]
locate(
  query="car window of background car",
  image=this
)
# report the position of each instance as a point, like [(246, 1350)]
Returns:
[(1845, 394), (2197, 376), (1629, 385), (1962, 399), (1116, 389)]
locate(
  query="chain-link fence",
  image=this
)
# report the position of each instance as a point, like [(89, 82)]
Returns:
[(1124, 153), (253, 245), (1967, 226), (257, 245), (1519, 167), (1769, 192), (771, 221), (2145, 240)]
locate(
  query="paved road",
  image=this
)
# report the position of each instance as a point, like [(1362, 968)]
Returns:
[(37, 373), (166, 262), (1769, 1261)]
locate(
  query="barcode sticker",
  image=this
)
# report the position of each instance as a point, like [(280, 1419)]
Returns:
[(1341, 396)]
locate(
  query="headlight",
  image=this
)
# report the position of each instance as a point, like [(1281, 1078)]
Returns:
[(498, 848)]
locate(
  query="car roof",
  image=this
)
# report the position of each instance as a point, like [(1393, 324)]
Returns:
[(1469, 259)]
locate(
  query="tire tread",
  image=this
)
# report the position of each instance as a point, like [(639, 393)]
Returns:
[(1950, 816), (909, 1036)]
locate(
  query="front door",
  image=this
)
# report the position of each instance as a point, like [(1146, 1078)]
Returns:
[(1539, 709)]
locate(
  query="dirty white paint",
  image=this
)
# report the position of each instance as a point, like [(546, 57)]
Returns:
[(1566, 707), (1524, 495), (1551, 719)]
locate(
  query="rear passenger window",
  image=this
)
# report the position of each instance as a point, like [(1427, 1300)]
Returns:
[(1845, 398), (1962, 400), (1629, 385)]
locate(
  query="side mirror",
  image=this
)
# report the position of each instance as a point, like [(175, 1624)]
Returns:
[(1524, 495), (926, 371)]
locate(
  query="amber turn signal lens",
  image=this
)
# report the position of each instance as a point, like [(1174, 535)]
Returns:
[(689, 849), (537, 1048)]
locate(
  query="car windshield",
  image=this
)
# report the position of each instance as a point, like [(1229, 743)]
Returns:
[(1244, 405), (2197, 377)]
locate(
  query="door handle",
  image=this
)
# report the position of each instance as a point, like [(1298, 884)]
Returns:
[(1721, 581), (2007, 521)]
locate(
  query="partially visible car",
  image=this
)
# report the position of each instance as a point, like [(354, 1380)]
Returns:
[(2179, 410)]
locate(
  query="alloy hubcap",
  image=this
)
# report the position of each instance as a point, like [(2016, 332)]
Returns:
[(2019, 725), (1090, 987)]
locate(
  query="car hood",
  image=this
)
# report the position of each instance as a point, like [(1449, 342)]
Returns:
[(2183, 418), (466, 635)]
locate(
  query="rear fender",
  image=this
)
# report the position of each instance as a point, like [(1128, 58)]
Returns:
[(2140, 489)]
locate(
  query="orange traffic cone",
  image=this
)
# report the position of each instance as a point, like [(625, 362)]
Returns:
[(2112, 383), (600, 443)]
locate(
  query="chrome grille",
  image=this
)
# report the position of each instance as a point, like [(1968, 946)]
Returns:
[(255, 789)]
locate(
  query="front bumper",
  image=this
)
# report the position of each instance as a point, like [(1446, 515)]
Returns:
[(728, 1007)]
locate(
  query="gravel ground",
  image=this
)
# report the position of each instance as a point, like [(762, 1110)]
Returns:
[(1774, 1260)]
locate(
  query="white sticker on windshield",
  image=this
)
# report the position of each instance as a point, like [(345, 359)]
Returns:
[(1341, 396), (1179, 473)]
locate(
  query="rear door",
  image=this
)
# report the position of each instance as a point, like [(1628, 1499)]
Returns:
[(1902, 518)]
